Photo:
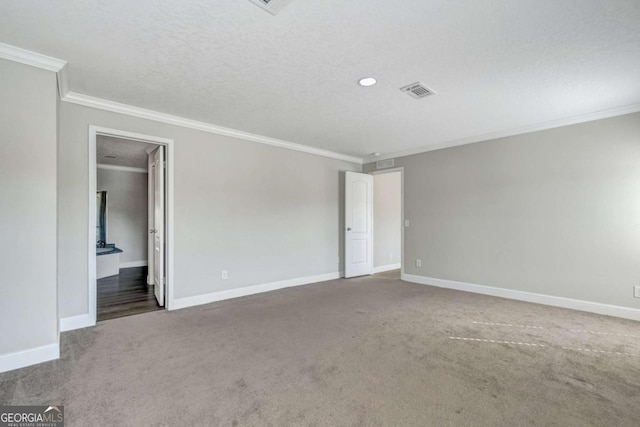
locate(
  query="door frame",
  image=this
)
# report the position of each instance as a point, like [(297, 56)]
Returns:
[(402, 218), (94, 132)]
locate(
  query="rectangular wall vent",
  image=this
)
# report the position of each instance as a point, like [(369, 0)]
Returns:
[(383, 164), (417, 90), (271, 6)]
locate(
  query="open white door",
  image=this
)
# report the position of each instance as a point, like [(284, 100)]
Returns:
[(157, 227), (151, 182), (358, 221)]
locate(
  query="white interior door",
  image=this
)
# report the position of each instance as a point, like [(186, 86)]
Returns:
[(150, 215), (358, 221), (158, 224)]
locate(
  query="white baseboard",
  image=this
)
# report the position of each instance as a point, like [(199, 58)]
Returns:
[(76, 322), (250, 290), (574, 304), (20, 359), (387, 267), (130, 264)]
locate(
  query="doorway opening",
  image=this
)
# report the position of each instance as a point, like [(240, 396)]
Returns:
[(387, 223), (130, 223), (374, 223)]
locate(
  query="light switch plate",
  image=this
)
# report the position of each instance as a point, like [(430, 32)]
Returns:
[(636, 291)]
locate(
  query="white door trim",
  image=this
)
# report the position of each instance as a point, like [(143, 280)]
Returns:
[(402, 219), (94, 131)]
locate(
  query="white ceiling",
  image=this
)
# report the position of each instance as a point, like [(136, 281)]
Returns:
[(495, 65), (126, 152)]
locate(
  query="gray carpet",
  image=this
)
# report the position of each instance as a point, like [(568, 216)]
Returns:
[(369, 351)]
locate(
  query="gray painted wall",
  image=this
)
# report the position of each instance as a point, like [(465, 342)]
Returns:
[(263, 213), (387, 211), (126, 212), (555, 212), (28, 308)]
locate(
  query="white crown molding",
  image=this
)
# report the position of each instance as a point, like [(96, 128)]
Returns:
[(28, 57), (116, 107), (59, 66), (573, 304), (63, 81), (612, 112), (121, 168)]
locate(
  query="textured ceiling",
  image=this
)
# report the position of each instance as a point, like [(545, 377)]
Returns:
[(126, 152), (495, 64)]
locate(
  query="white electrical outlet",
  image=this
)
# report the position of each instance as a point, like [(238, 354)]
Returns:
[(406, 222), (225, 275), (390, 256), (418, 263), (636, 291)]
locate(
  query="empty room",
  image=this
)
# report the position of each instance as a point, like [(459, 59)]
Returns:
[(335, 213)]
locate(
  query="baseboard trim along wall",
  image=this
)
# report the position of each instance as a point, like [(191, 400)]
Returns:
[(130, 264), (387, 267), (574, 304), (20, 359), (251, 290), (76, 322)]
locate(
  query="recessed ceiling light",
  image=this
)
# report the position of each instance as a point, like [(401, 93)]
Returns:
[(376, 154), (367, 81)]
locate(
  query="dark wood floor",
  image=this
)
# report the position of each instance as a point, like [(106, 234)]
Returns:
[(125, 294)]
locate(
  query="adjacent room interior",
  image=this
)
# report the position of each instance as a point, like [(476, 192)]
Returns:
[(126, 171), (284, 212), (387, 221)]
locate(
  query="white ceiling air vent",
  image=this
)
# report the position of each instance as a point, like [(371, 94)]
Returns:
[(383, 164), (271, 6), (417, 90)]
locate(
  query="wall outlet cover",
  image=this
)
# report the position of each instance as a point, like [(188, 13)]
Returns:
[(225, 275), (636, 291), (418, 263)]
